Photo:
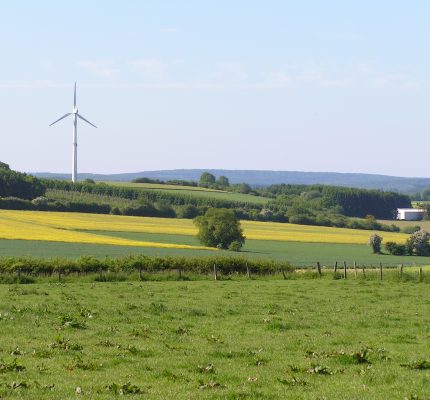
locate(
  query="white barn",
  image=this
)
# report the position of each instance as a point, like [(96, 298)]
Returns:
[(410, 214)]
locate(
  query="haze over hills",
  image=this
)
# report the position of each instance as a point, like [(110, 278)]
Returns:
[(264, 178)]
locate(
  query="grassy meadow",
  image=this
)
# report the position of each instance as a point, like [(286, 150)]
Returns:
[(403, 224), (236, 339), (54, 234)]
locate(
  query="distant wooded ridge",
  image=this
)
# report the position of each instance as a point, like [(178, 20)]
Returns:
[(264, 178)]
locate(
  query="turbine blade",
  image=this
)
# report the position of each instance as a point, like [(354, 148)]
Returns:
[(59, 119), (74, 97), (88, 122)]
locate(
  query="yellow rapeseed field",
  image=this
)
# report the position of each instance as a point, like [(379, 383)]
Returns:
[(29, 225), (71, 227), (313, 234)]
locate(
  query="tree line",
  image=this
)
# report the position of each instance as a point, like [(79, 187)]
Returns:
[(13, 183)]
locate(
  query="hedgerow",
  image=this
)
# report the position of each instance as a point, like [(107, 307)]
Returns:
[(140, 263)]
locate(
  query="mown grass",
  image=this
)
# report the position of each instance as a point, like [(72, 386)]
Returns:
[(195, 191), (237, 339)]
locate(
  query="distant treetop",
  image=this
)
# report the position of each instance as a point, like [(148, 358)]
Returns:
[(4, 166), (17, 184), (206, 179)]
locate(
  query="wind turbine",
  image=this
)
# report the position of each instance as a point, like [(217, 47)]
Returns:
[(76, 115)]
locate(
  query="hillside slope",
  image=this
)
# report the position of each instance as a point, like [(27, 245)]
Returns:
[(263, 178)]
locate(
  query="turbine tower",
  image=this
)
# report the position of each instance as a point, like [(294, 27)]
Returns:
[(76, 115)]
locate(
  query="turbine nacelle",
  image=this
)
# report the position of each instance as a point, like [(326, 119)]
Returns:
[(75, 111)]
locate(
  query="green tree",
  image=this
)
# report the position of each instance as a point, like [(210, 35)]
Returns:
[(17, 184), (395, 249), (206, 179), (220, 228), (187, 211), (418, 243), (375, 243), (4, 166), (223, 181), (426, 194), (245, 188)]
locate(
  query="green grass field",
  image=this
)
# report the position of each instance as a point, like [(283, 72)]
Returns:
[(195, 191), (259, 339), (402, 224), (297, 253)]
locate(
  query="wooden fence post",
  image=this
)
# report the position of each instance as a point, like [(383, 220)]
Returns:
[(380, 271), (335, 267), (140, 274), (364, 271), (180, 272), (355, 269), (215, 273), (319, 268), (421, 274), (344, 270), (284, 274), (248, 272)]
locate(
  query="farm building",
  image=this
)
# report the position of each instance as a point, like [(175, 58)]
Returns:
[(410, 214)]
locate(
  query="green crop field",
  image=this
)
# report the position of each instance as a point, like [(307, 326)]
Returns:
[(156, 186), (297, 253), (237, 339), (195, 191)]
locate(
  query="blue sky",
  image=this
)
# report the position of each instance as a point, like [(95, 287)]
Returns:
[(284, 85)]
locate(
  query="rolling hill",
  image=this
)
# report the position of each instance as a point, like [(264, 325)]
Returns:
[(264, 178)]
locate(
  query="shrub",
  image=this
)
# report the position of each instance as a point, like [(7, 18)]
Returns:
[(244, 188), (300, 220), (418, 242), (14, 203), (40, 201), (23, 267), (235, 245), (411, 229), (375, 243), (395, 249), (187, 211), (147, 180), (115, 211)]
